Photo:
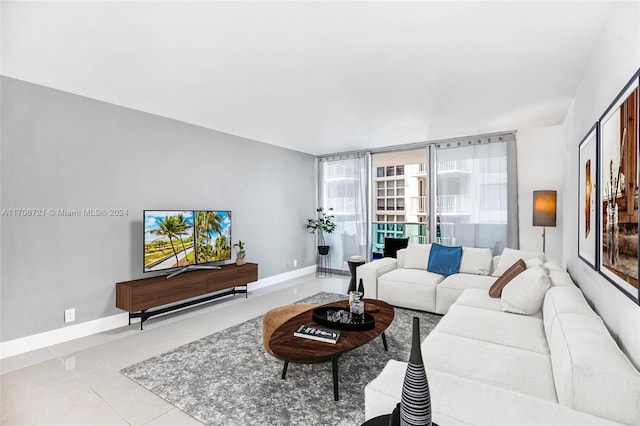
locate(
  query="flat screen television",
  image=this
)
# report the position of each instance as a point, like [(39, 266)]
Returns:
[(175, 239)]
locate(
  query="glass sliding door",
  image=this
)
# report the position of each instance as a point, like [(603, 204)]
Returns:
[(343, 187), (458, 192), (400, 197), (472, 200)]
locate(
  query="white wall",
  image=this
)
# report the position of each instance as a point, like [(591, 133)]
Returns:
[(615, 59), (540, 164), (63, 151)]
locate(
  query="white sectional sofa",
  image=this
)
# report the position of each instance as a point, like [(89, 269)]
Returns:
[(487, 366), (405, 281)]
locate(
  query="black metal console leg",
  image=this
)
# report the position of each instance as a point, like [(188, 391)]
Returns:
[(384, 341), (284, 370), (334, 367), (142, 318)]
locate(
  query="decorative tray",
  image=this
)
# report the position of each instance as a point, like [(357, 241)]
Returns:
[(320, 316)]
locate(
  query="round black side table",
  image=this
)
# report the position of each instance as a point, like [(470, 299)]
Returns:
[(353, 264)]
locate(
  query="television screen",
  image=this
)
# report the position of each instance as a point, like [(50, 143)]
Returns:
[(176, 239)]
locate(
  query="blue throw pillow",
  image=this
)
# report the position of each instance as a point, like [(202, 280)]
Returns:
[(444, 260)]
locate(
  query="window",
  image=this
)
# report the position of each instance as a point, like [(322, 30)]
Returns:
[(390, 170), (404, 183), (472, 195), (343, 184)]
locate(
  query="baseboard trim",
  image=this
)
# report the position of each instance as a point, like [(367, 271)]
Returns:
[(60, 335), (64, 334), (275, 279)]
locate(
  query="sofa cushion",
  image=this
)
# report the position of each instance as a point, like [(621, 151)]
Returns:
[(414, 276), (552, 265), (533, 262), (477, 298), (454, 285), (564, 300), (384, 392), (409, 288), (490, 363), (516, 331), (444, 260), (525, 293), (476, 261), (590, 372), (508, 275), (416, 256), (509, 256)]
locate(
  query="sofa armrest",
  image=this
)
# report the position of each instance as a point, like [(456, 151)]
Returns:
[(401, 256), (369, 273)]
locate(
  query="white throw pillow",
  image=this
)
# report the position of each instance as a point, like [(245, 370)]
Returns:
[(510, 256), (533, 262), (553, 265), (525, 293), (476, 261), (417, 256)]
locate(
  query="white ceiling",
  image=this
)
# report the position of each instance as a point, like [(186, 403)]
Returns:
[(318, 77)]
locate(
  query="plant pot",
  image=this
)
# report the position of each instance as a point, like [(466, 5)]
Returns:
[(240, 259), (323, 250)]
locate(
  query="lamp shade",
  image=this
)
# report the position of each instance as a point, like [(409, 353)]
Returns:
[(544, 208)]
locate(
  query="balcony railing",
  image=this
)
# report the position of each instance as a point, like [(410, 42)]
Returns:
[(450, 165), (418, 205), (451, 204)]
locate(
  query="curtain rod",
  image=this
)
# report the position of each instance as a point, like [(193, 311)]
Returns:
[(441, 143)]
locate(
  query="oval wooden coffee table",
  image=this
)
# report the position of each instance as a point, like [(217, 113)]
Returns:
[(287, 347)]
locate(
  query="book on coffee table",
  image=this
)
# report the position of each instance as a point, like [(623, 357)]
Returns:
[(316, 333)]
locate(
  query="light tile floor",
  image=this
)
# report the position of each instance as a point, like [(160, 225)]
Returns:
[(78, 382)]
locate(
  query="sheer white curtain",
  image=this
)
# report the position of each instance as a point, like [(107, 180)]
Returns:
[(477, 196), (343, 182)]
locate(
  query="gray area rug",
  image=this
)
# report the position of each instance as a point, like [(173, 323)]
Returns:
[(228, 379)]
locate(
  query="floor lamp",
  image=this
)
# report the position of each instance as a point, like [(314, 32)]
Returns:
[(544, 211)]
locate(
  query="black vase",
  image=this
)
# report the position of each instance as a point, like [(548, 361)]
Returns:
[(415, 408), (323, 250), (361, 289)]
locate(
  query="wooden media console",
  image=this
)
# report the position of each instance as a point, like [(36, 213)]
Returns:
[(143, 298)]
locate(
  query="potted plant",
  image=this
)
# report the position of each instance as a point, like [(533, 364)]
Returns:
[(323, 223), (241, 253)]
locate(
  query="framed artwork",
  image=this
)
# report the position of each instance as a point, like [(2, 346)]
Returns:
[(618, 191), (588, 198)]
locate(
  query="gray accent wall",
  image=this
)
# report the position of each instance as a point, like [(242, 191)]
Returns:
[(63, 151)]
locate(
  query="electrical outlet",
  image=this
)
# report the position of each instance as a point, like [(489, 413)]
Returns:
[(295, 263), (70, 315)]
